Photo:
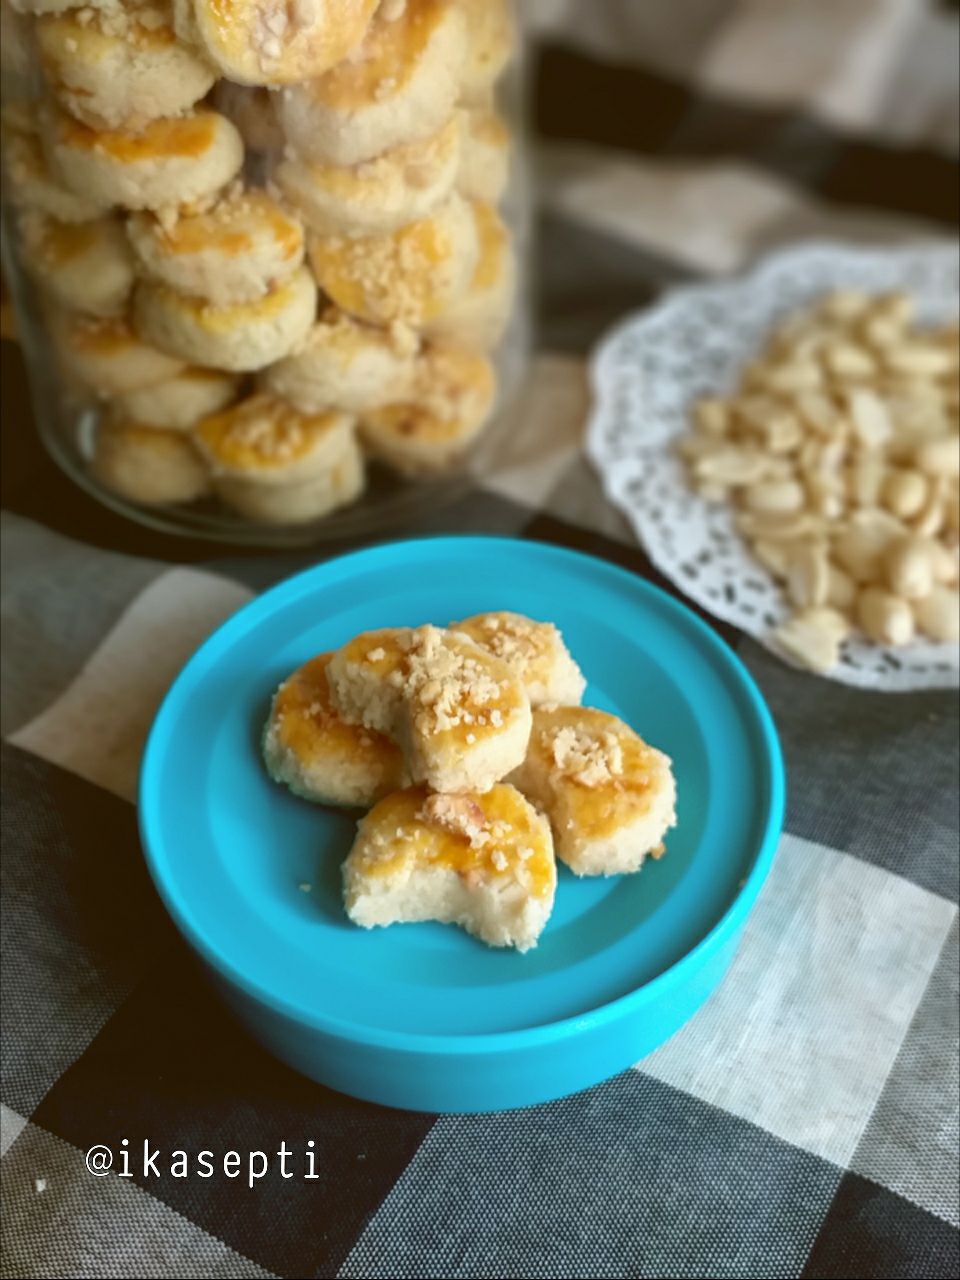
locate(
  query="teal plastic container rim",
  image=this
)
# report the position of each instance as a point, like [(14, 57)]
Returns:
[(150, 801)]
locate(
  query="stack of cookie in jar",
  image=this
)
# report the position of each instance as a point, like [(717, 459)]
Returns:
[(265, 236)]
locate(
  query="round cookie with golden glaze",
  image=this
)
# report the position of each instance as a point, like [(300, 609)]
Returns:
[(236, 250), (410, 277), (84, 266), (484, 156), (483, 861), (460, 713), (28, 180), (609, 796), (147, 465), (261, 42), (275, 465), (119, 68), (430, 433), (309, 748), (167, 163), (265, 439), (535, 650), (344, 363), (301, 501), (479, 316), (491, 40), (400, 85), (242, 337), (178, 403), (106, 355), (381, 195), (367, 677)]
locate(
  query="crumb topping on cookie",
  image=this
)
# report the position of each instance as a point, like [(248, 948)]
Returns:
[(263, 431), (590, 760), (449, 684), (485, 838), (394, 276), (515, 638), (460, 815)]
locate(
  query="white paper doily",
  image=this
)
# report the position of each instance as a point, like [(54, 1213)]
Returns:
[(648, 371)]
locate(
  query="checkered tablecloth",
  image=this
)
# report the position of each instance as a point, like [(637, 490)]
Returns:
[(805, 1123)]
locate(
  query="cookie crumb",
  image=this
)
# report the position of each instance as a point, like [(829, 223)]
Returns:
[(459, 815)]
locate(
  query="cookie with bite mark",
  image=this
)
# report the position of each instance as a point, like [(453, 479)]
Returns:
[(481, 861)]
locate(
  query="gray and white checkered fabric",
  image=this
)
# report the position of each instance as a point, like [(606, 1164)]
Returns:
[(805, 1123)]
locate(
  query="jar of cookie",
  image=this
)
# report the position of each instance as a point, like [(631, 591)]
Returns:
[(267, 256)]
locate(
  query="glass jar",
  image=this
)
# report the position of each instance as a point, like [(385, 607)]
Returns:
[(268, 260)]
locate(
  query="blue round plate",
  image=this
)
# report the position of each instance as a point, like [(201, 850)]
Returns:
[(425, 1016)]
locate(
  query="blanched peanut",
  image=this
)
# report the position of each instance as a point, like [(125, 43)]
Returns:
[(731, 464), (929, 520), (870, 417), (897, 307), (844, 304), (878, 518), (818, 412), (918, 357), (910, 565), (774, 556), (792, 377), (784, 433), (860, 548), (780, 468), (711, 416), (833, 620), (794, 328), (826, 498), (946, 562), (865, 479), (828, 459), (841, 589), (808, 576), (922, 409), (914, 431), (904, 492), (884, 617), (938, 614), (697, 446), (711, 492), (779, 527), (757, 410), (940, 457), (808, 459), (813, 647), (752, 377), (776, 496), (881, 331), (848, 360), (813, 638)]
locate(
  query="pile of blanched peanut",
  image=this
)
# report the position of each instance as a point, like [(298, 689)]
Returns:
[(840, 450)]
